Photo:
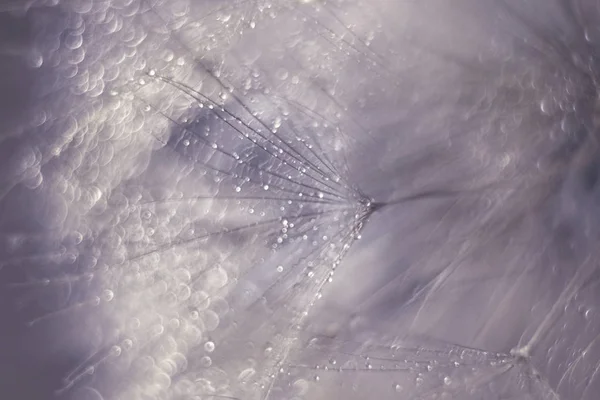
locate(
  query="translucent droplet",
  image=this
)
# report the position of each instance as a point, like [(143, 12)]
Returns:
[(246, 375), (282, 74), (545, 106), (77, 237), (135, 323), (108, 295), (211, 320), (35, 59), (158, 329), (447, 380), (569, 123), (209, 346), (115, 351), (168, 55), (127, 344), (419, 380), (206, 361)]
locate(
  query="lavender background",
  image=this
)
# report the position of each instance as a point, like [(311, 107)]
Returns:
[(493, 104)]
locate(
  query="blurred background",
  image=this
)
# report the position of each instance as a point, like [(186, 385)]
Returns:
[(299, 199)]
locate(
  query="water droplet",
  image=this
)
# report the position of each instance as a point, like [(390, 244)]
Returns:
[(282, 74), (246, 375), (280, 268), (447, 380), (127, 344), (300, 387), (35, 60), (115, 351), (569, 123), (398, 387), (209, 346), (206, 361), (158, 329), (107, 295), (419, 380), (545, 106)]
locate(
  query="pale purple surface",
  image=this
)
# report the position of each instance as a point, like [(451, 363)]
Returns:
[(483, 285)]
